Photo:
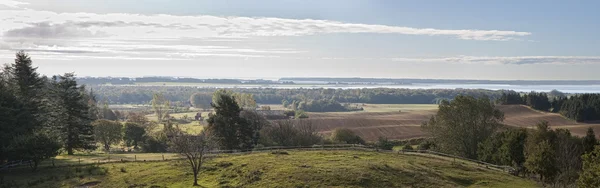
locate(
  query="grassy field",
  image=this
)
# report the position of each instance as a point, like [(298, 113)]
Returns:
[(398, 107), (295, 169)]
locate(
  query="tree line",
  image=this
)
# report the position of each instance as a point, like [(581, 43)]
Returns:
[(472, 127), (579, 107), (143, 94), (40, 116)]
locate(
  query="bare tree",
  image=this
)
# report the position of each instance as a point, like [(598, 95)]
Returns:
[(193, 147)]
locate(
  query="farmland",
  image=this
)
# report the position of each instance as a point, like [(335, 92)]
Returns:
[(291, 169), (385, 120)]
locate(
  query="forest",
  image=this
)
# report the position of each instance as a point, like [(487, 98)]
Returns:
[(143, 94)]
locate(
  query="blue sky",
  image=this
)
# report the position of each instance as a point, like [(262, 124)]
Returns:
[(514, 40)]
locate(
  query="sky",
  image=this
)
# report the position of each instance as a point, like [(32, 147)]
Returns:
[(500, 40)]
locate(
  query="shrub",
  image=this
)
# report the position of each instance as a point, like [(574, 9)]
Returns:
[(407, 148), (384, 144), (344, 135)]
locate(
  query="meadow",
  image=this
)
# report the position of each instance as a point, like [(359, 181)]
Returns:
[(291, 168)]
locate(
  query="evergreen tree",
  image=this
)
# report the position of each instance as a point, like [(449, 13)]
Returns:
[(72, 114), (232, 131), (589, 141), (27, 86)]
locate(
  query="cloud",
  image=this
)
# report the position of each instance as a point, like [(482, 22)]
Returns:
[(48, 30), (160, 37), (509, 60), (12, 4), (162, 25)]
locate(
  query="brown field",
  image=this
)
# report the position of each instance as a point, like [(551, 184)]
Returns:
[(372, 125), (406, 124)]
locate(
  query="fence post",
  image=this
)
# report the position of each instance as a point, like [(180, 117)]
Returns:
[(134, 157), (79, 160), (163, 156)]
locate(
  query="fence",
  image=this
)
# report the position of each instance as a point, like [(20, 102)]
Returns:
[(171, 156)]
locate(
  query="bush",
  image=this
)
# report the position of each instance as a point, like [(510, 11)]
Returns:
[(300, 114), (425, 145), (407, 148), (347, 136), (155, 144), (384, 144)]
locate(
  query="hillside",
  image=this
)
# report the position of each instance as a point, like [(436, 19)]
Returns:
[(296, 169), (371, 125), (523, 116)]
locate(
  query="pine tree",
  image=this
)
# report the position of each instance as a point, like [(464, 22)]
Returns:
[(72, 114), (589, 141), (232, 131), (27, 86)]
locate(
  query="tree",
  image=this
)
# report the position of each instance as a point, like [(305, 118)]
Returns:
[(569, 150), (201, 100), (346, 136), (256, 122), (541, 160), (590, 175), (460, 125), (231, 131), (589, 141), (35, 147), (133, 134), (159, 105), (12, 118), (107, 113), (107, 132), (27, 86), (194, 148), (71, 111), (540, 152)]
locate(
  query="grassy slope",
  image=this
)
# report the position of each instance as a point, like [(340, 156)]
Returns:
[(298, 169)]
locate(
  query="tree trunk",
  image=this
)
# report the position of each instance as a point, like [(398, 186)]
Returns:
[(69, 150), (196, 178)]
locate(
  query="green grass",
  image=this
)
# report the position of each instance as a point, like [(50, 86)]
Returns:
[(298, 169), (398, 107)]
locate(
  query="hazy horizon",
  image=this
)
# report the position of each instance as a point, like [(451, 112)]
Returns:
[(509, 40)]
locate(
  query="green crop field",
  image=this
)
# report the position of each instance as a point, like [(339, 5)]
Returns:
[(292, 169)]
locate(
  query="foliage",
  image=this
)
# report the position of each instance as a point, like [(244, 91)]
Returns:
[(133, 134), (590, 175), (541, 160), (156, 143), (290, 133), (73, 122), (589, 141), (508, 98), (321, 105), (384, 144), (460, 125), (107, 132), (160, 105), (256, 122), (201, 100), (504, 148), (143, 94), (231, 130), (347, 136), (300, 114), (34, 147), (538, 101), (583, 107)]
